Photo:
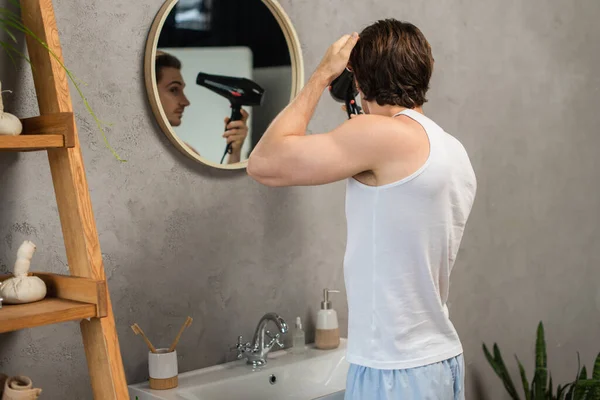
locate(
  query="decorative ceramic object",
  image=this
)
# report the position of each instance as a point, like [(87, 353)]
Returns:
[(22, 288), (9, 124), (20, 388)]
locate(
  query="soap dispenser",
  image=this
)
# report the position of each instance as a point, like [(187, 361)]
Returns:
[(327, 336)]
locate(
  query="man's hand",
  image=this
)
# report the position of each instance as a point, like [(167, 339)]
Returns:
[(337, 56), (236, 132)]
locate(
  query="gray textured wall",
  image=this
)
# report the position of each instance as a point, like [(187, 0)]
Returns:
[(516, 81)]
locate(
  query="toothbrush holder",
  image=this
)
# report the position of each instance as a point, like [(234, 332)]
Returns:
[(163, 370)]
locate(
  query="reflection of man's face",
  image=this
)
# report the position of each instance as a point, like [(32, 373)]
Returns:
[(170, 92)]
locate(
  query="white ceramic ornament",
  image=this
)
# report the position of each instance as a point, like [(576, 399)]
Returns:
[(9, 124), (21, 288)]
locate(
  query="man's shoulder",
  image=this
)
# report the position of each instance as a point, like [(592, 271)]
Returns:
[(382, 137), (379, 125)]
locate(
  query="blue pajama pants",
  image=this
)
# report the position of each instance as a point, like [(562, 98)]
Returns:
[(439, 381)]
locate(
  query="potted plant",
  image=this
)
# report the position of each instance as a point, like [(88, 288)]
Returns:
[(541, 386), (12, 25)]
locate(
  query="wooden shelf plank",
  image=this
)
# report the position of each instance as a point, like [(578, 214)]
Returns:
[(75, 288), (61, 123), (45, 312), (50, 131), (31, 142)]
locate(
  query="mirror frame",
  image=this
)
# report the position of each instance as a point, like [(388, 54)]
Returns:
[(296, 61)]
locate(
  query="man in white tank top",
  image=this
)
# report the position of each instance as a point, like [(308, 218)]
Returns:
[(410, 190)]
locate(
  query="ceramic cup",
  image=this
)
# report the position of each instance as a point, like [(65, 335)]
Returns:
[(162, 364)]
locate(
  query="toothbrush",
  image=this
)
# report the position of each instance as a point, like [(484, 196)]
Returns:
[(138, 331), (187, 323)]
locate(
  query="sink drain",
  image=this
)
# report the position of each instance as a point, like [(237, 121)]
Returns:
[(272, 379)]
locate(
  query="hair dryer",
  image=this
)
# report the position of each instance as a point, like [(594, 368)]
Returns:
[(343, 90), (239, 91)]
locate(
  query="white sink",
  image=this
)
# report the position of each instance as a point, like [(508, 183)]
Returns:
[(317, 374)]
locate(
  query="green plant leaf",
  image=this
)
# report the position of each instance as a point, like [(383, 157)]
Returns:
[(562, 394), (540, 364), (549, 394), (492, 361), (508, 380), (8, 50), (8, 31), (85, 101), (540, 347), (595, 392), (9, 23), (9, 18), (499, 368), (580, 388), (532, 389), (588, 383), (570, 393), (596, 371), (559, 392), (524, 380), (508, 383), (584, 388)]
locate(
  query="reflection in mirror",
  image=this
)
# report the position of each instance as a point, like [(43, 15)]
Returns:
[(223, 69)]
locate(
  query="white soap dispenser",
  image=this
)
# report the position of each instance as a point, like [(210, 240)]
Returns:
[(299, 340), (327, 335)]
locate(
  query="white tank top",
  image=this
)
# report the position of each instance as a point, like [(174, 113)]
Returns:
[(402, 241)]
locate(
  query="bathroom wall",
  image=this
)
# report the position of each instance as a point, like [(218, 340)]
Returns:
[(516, 82)]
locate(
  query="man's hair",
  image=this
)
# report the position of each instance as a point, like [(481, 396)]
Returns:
[(165, 60), (392, 63)]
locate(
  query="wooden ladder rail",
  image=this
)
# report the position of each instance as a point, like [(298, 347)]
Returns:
[(100, 339)]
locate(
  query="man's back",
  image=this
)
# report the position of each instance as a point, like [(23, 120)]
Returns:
[(403, 238), (404, 231)]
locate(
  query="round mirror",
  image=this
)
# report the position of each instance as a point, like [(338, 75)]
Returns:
[(217, 72)]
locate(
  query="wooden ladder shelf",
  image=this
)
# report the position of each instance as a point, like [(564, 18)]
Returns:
[(52, 131), (83, 295)]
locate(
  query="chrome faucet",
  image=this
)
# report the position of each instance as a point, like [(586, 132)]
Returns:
[(256, 352)]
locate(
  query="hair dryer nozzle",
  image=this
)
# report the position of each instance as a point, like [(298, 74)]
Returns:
[(343, 87), (239, 91), (343, 90)]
